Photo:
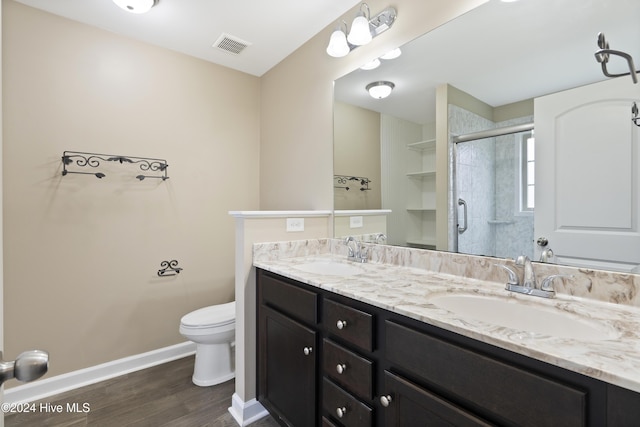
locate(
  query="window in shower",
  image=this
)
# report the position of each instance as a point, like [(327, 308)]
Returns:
[(527, 172)]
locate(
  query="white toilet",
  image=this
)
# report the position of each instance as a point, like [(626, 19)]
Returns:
[(213, 329)]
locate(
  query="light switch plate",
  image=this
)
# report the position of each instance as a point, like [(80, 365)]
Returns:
[(295, 224), (356, 222)]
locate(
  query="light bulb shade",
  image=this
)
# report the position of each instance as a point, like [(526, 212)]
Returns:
[(392, 54), (371, 65), (380, 90), (338, 46), (136, 6), (360, 33)]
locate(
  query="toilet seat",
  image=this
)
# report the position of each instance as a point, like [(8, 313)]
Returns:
[(215, 315)]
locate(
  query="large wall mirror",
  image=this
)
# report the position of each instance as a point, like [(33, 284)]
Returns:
[(494, 67)]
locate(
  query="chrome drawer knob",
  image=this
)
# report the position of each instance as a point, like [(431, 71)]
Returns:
[(341, 412), (307, 350), (341, 324), (341, 367), (385, 400)]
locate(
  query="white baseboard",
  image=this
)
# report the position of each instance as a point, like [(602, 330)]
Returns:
[(60, 383), (246, 413)]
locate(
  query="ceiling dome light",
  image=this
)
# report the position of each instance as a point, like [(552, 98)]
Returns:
[(338, 46), (136, 6), (371, 65), (380, 89), (360, 33), (392, 54)]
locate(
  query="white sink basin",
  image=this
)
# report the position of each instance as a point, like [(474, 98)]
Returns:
[(330, 268), (534, 319)]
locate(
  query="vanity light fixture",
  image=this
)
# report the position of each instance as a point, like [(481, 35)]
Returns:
[(363, 30), (392, 54), (360, 33), (338, 46), (136, 6), (380, 89), (371, 65)]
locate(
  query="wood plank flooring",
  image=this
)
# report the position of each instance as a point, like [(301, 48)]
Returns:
[(162, 395)]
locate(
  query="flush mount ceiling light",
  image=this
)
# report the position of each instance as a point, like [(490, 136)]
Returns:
[(380, 89), (136, 6), (363, 30)]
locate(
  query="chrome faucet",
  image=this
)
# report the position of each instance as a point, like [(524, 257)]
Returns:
[(529, 284), (528, 276), (357, 253)]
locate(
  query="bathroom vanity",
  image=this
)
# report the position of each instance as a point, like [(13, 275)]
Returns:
[(327, 358)]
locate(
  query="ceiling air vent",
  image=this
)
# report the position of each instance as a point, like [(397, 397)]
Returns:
[(230, 44)]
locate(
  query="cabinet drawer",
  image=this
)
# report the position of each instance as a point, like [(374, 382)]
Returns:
[(407, 404), (344, 407), (291, 299), (353, 372), (510, 394), (354, 326), (327, 423)]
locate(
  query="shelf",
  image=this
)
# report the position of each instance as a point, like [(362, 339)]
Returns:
[(421, 209), (500, 222), (429, 144), (421, 242), (423, 174)]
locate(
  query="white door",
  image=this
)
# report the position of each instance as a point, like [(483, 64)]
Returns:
[(587, 184)]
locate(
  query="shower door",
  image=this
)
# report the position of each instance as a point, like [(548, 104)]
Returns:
[(490, 195)]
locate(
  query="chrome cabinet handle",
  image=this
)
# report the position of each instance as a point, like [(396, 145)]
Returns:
[(341, 367), (307, 350), (28, 366), (341, 324), (341, 412), (462, 203), (386, 400)]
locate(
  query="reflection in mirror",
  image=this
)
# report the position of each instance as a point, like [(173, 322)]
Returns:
[(487, 70)]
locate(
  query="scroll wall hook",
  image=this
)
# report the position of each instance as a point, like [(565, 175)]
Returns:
[(170, 268), (603, 54), (634, 114)]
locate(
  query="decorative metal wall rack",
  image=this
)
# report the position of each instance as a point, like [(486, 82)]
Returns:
[(92, 160), (344, 181), (170, 268)]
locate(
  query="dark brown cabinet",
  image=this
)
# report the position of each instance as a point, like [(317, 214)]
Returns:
[(409, 405), (328, 360)]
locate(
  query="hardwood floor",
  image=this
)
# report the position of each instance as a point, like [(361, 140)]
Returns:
[(159, 396)]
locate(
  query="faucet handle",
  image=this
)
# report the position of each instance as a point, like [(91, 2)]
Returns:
[(513, 277), (547, 283)]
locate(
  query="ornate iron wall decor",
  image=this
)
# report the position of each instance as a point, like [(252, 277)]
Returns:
[(344, 181), (170, 268), (92, 160)]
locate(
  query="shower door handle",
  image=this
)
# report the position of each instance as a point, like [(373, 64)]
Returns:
[(462, 203)]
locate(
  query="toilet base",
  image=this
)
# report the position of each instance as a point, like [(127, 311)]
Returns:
[(214, 364)]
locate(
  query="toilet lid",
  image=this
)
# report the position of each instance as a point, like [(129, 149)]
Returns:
[(221, 314)]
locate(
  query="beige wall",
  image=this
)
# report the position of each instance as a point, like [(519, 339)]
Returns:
[(81, 254), (356, 154), (296, 161)]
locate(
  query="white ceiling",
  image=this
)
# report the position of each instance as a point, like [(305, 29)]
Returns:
[(502, 53), (275, 28)]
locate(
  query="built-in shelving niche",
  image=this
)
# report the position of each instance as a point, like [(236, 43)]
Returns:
[(78, 159)]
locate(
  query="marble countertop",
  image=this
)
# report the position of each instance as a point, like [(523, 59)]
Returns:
[(409, 291)]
